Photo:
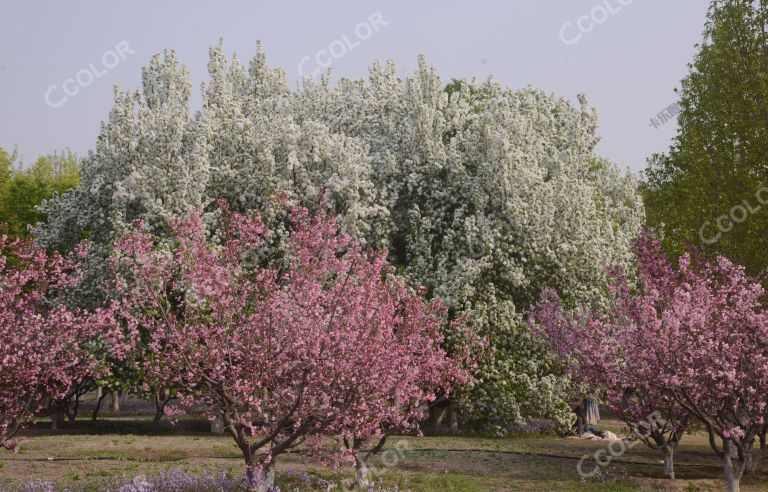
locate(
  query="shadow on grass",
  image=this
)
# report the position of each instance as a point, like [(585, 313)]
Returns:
[(121, 426)]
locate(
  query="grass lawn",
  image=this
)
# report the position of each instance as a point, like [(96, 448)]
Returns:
[(87, 456)]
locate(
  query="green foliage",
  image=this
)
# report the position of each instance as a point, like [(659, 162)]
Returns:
[(718, 159), (23, 189)]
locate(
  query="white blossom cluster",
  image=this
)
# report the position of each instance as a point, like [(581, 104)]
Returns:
[(481, 193)]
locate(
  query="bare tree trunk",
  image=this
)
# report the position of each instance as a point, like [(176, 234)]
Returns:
[(753, 458), (362, 474), (264, 481), (733, 466), (115, 403), (160, 410), (57, 418), (63, 407), (101, 395), (250, 471), (217, 425), (72, 416), (453, 420), (436, 417), (580, 421), (750, 464), (731, 480), (669, 462), (267, 477)]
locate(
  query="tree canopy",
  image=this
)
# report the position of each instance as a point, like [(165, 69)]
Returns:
[(483, 194)]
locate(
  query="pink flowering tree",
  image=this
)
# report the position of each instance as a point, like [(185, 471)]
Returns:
[(710, 348), (278, 343), (45, 347), (594, 358), (711, 343), (697, 333)]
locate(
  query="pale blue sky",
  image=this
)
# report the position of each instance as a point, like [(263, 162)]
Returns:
[(627, 64)]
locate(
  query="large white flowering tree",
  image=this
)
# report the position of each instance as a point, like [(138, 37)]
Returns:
[(150, 162), (483, 194)]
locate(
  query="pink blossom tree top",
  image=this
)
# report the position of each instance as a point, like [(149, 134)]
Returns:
[(285, 350), (44, 345)]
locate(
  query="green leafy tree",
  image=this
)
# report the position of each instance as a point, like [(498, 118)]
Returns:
[(6, 175), (22, 189), (6, 167), (709, 190)]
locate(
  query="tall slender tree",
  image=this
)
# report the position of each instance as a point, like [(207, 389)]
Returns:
[(709, 189)]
